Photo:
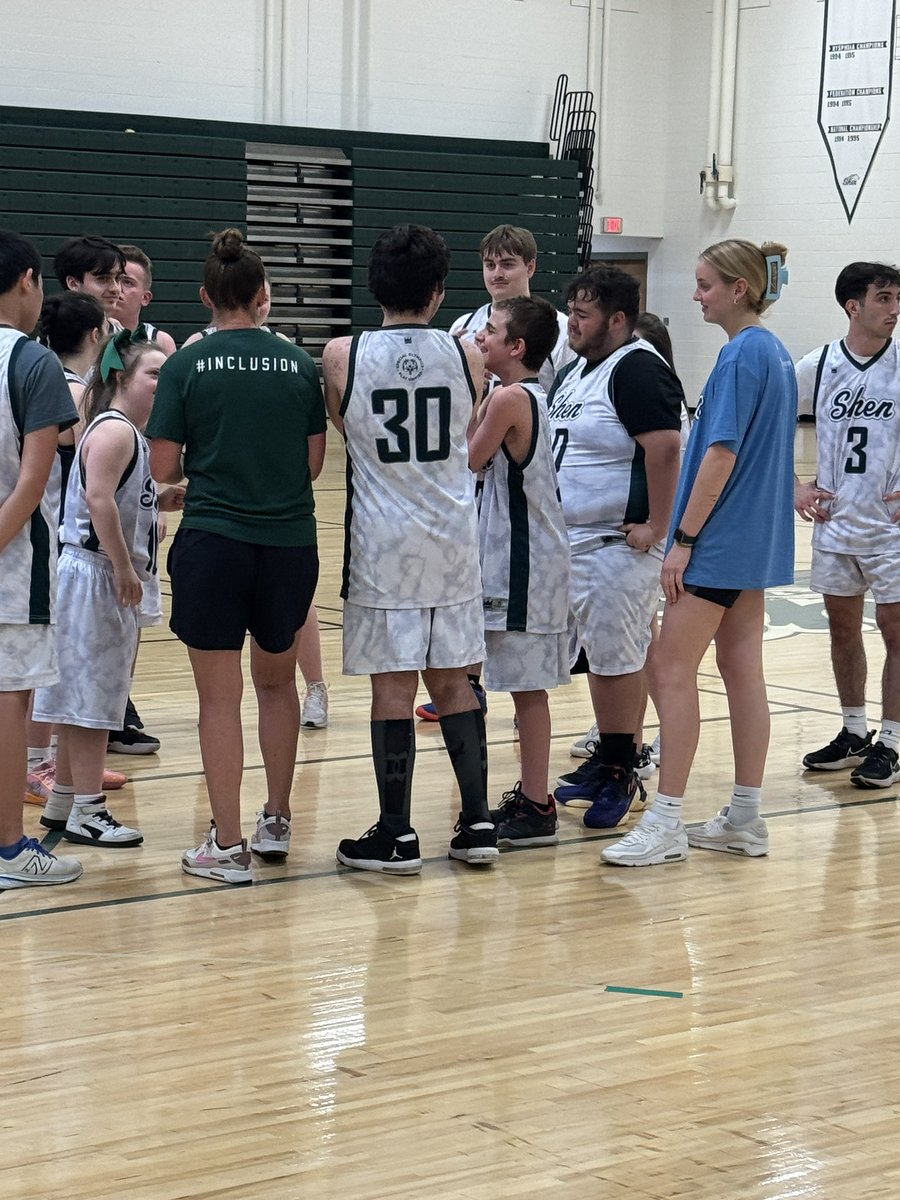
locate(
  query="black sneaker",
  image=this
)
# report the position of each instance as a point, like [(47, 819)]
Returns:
[(509, 802), (528, 824), (131, 741), (475, 844), (380, 850), (132, 717), (576, 788), (879, 768), (847, 750)]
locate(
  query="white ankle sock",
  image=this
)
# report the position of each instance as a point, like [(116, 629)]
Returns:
[(890, 734), (744, 806), (88, 801), (855, 720), (667, 809), (63, 789)]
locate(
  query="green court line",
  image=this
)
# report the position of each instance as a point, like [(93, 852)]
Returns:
[(629, 991), (336, 872)]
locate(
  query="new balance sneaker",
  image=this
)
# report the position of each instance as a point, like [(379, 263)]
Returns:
[(475, 844), (92, 825), (583, 747), (847, 750), (380, 850), (644, 765), (272, 837), (879, 768), (751, 839), (649, 844), (34, 866), (314, 713), (521, 822), (230, 864), (56, 811), (427, 712), (39, 782), (131, 741), (616, 793)]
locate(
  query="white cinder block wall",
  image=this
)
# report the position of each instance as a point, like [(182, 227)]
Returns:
[(488, 68)]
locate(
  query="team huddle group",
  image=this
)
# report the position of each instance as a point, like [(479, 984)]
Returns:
[(519, 491)]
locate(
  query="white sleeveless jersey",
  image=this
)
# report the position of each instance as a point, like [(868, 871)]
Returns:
[(411, 537), (135, 499), (28, 561), (600, 467), (522, 535), (857, 412), (561, 355)]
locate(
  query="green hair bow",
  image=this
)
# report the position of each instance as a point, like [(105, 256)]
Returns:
[(111, 359)]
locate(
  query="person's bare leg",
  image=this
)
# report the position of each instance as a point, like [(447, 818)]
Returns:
[(85, 751), (274, 679), (739, 659), (533, 711), (888, 618), (309, 649), (13, 759), (220, 684), (848, 655)]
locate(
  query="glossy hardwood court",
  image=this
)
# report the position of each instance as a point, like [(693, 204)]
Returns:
[(718, 1029)]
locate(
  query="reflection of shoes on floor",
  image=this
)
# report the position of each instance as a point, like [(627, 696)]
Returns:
[(475, 844), (39, 782), (93, 825), (380, 850), (751, 839), (584, 747), (32, 865), (272, 838), (230, 864), (846, 750), (521, 822), (314, 714), (878, 769), (131, 741), (649, 844), (427, 712)]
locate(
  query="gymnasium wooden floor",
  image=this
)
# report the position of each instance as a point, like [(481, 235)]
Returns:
[(552, 1028)]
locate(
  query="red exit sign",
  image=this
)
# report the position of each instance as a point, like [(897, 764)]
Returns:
[(612, 224)]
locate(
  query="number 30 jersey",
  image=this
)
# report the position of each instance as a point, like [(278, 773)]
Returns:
[(411, 532), (857, 410)]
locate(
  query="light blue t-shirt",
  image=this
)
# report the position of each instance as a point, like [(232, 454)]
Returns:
[(749, 405)]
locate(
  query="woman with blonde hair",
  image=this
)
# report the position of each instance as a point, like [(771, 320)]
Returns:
[(732, 536)]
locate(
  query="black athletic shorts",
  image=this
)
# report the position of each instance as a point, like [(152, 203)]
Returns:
[(222, 589), (724, 597)]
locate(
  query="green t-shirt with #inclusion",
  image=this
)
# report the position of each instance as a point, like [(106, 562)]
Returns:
[(243, 402)]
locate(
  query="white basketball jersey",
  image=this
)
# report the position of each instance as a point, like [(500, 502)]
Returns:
[(857, 411), (411, 537), (135, 499), (522, 533), (28, 561), (561, 355), (602, 481)]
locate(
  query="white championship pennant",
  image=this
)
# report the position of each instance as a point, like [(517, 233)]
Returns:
[(855, 93)]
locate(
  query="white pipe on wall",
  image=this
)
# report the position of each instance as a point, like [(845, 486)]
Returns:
[(726, 111), (269, 61), (286, 62), (715, 99)]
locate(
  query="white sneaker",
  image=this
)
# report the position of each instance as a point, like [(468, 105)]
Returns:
[(272, 837), (314, 714), (56, 811), (751, 839), (36, 866), (580, 749), (654, 750), (649, 844), (92, 825)]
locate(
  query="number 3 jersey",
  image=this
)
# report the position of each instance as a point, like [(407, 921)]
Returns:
[(857, 411), (411, 536)]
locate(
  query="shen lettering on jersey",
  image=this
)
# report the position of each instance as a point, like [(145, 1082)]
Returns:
[(847, 404), (254, 363)]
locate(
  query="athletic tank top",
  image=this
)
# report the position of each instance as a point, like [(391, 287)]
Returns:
[(135, 500), (522, 535), (411, 536)]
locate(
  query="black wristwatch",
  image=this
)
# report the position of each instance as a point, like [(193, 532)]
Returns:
[(680, 538)]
